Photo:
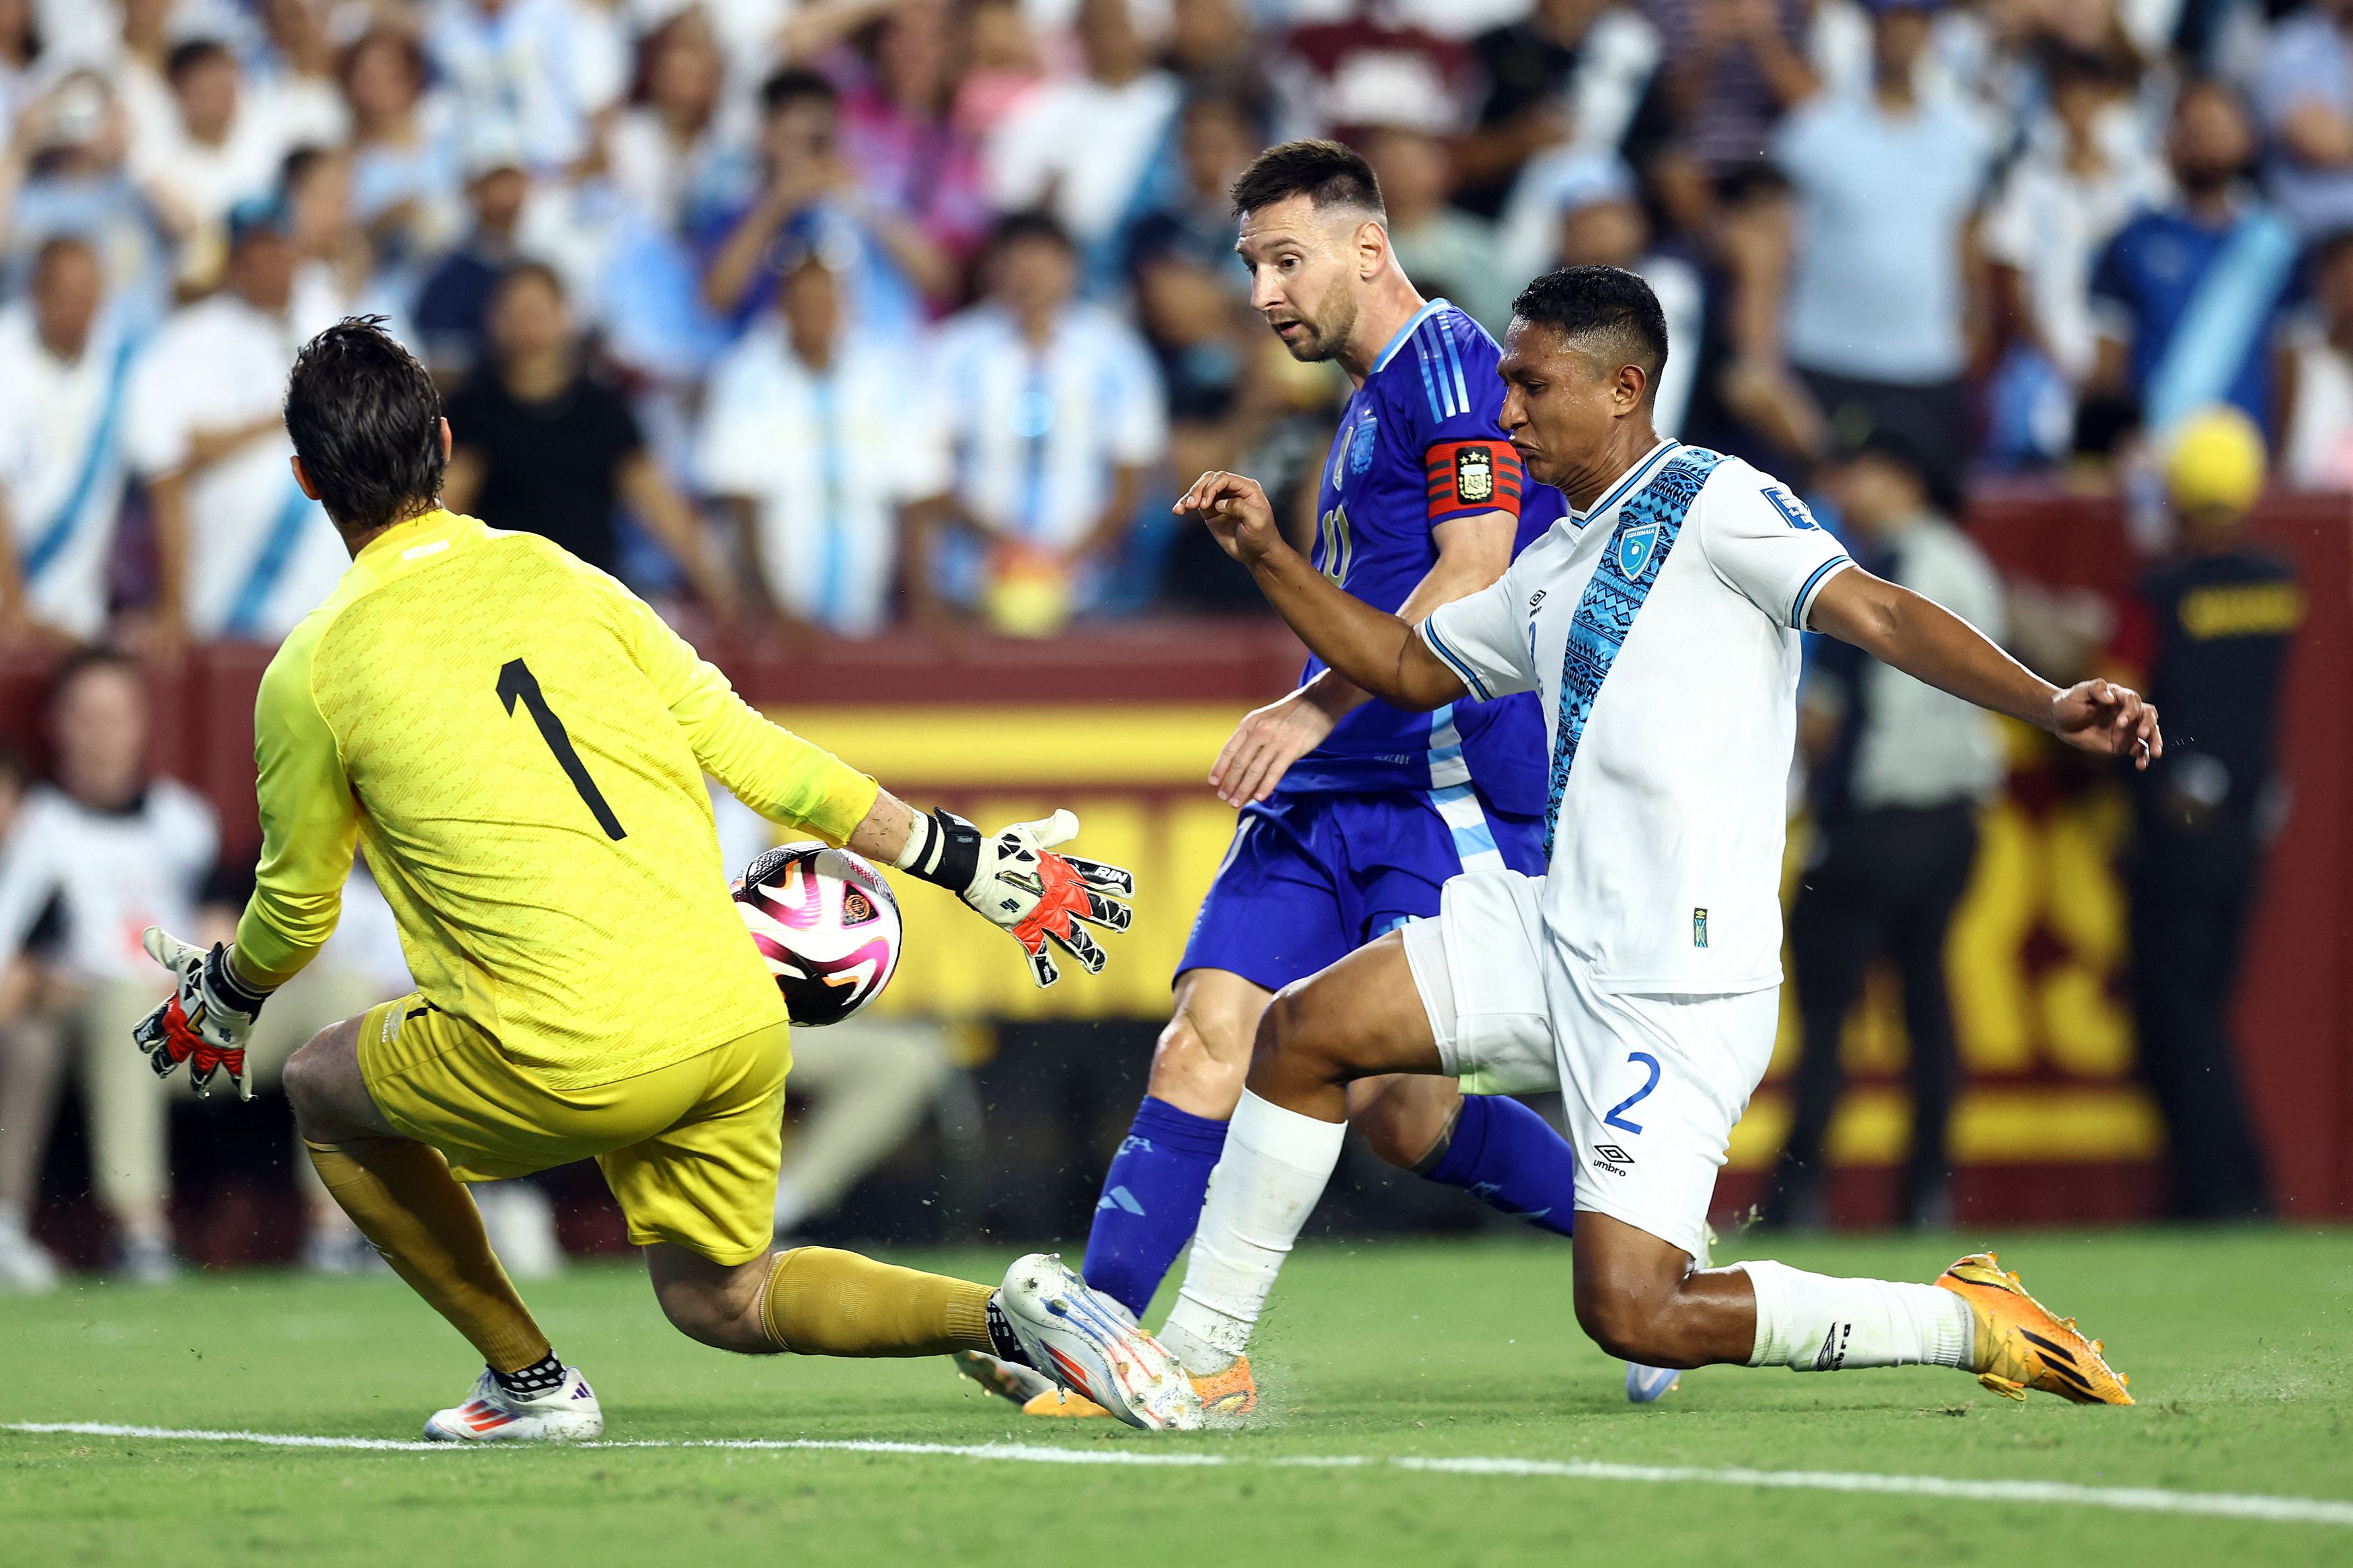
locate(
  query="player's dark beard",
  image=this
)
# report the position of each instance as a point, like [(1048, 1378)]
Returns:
[(1325, 332)]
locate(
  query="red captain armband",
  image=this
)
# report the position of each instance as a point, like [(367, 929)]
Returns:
[(1467, 477)]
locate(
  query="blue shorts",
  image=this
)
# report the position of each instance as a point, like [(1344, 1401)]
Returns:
[(1313, 877)]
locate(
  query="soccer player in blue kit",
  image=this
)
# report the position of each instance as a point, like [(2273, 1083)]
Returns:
[(1354, 813)]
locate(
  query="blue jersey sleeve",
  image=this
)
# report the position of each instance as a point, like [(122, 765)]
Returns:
[(1452, 411)]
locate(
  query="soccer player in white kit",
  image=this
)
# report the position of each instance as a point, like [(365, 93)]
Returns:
[(1658, 623)]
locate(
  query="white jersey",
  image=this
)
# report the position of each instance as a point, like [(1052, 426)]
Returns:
[(261, 555), (113, 873), (1660, 630), (61, 465)]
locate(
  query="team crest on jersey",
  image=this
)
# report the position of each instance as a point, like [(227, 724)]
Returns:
[(1358, 453), (1636, 549), (1474, 474)]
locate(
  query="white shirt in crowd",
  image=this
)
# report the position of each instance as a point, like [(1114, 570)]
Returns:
[(206, 180), (1666, 854), (261, 555), (828, 459), (1919, 746), (113, 873), (62, 466), (1037, 433), (541, 69), (1081, 147)]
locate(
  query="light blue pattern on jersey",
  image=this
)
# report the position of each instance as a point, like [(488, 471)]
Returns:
[(1648, 524)]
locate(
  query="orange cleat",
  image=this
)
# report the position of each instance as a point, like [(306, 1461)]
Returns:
[(2019, 1346), (1062, 1402), (1227, 1395)]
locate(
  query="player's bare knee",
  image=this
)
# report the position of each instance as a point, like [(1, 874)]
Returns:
[(1296, 1040), (1199, 1065)]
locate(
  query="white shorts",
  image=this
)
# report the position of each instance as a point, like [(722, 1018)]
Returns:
[(1651, 1085)]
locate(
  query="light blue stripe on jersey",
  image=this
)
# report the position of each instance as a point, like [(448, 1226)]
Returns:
[(1605, 611), (1454, 362), (1428, 383), (1455, 662), (1821, 575), (1456, 803)]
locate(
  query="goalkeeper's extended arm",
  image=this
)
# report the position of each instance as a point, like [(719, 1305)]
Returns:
[(1012, 877)]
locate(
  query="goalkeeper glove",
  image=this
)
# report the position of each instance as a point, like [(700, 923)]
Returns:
[(206, 1021), (1014, 880)]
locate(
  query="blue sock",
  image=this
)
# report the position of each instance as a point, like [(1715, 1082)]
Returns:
[(1151, 1201), (1509, 1158)]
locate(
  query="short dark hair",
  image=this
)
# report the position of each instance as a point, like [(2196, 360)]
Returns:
[(793, 83), (1326, 172), (366, 423), (186, 56), (81, 661), (1601, 301), (1014, 227)]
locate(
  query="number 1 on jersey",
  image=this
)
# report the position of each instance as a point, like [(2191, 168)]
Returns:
[(515, 679)]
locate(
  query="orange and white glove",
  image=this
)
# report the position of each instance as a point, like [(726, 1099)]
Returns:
[(1014, 880), (206, 1021)]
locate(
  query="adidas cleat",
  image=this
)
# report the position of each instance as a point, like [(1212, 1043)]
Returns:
[(1229, 1393), (568, 1413), (1063, 1403), (1085, 1341), (2019, 1346)]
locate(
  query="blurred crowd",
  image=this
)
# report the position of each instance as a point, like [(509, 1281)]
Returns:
[(829, 315), (837, 312)]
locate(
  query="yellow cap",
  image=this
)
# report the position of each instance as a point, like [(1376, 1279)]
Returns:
[(2216, 462)]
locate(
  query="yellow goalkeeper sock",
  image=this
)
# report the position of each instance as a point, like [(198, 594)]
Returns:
[(820, 1302), (404, 1199)]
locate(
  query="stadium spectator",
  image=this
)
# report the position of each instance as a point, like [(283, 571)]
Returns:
[(65, 370), (119, 851), (335, 271), (2186, 297), (407, 179), (20, 52), (799, 199), (1081, 145), (1896, 772), (2304, 93), (294, 74), (2080, 178), (1567, 78), (904, 146), (817, 440), (1003, 66), (1612, 230), (1210, 49), (1882, 297), (1193, 218), (536, 69), (544, 446), (2316, 370), (223, 145), (1732, 68), (240, 550), (1056, 417), (2213, 631), (1446, 251), (65, 170), (664, 151), (28, 1083), (453, 305)]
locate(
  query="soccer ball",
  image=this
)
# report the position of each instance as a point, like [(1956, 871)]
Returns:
[(827, 924)]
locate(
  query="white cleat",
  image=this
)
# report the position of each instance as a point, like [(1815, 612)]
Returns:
[(568, 1413), (1085, 1341), (26, 1265)]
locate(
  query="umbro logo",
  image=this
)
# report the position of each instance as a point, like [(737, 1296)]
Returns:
[(1614, 1154), (1534, 599)]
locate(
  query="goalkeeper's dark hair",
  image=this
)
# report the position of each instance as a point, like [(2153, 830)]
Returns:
[(1606, 308), (366, 422), (1326, 172)]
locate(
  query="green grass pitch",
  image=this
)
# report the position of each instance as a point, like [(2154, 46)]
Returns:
[(1375, 1353)]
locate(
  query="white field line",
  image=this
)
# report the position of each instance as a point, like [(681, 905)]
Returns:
[(2125, 1500)]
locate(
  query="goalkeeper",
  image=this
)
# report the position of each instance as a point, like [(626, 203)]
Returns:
[(521, 743)]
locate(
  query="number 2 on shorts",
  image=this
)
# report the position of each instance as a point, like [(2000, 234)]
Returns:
[(1635, 1099)]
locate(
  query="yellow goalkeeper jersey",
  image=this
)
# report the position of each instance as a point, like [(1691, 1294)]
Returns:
[(521, 742)]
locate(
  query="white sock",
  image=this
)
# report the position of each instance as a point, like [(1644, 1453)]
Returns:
[(1811, 1323), (1275, 1166)]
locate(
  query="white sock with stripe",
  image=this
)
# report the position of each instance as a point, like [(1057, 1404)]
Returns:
[(1812, 1323), (1275, 1166)]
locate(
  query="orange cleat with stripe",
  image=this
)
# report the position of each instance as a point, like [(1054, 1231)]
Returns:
[(2020, 1345), (1227, 1395)]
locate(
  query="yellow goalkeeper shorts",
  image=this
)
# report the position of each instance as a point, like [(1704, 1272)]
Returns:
[(690, 1150)]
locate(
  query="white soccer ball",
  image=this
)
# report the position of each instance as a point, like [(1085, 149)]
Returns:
[(827, 924)]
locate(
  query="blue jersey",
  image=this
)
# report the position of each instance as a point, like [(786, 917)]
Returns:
[(1420, 445)]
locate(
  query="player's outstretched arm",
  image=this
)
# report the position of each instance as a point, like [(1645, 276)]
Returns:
[(1371, 647), (1931, 644), (1011, 878)]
